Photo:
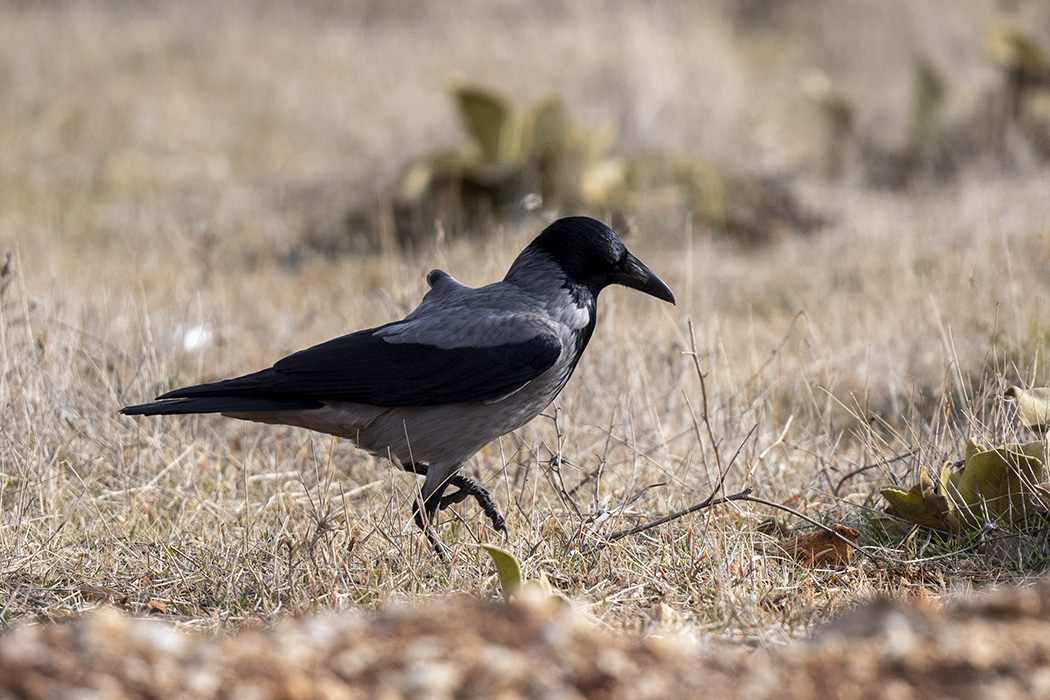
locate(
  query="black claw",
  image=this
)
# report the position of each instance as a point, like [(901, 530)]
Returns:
[(465, 486), (469, 487)]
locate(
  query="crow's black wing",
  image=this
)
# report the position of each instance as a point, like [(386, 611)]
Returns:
[(364, 367)]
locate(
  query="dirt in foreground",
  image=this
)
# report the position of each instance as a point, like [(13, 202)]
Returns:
[(989, 646)]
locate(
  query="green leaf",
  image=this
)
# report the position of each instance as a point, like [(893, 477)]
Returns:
[(510, 579)]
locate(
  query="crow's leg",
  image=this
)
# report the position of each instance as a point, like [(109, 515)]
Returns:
[(465, 486), (424, 518)]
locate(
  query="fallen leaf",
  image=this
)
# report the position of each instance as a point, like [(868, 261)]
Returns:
[(997, 484), (922, 504), (514, 585), (156, 607), (821, 548), (1003, 484), (93, 593)]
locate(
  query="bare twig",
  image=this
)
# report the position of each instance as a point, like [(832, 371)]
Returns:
[(868, 467), (708, 502), (592, 474), (773, 354), (713, 499), (554, 466), (703, 395), (629, 501)]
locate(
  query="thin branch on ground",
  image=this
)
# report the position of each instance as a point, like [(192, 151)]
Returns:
[(868, 467), (712, 500), (706, 503)]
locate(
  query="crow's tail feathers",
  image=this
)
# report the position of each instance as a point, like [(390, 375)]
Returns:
[(218, 404), (252, 392)]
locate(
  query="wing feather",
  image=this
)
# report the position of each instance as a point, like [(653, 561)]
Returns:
[(364, 367)]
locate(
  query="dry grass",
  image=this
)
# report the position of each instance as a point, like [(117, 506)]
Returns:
[(160, 169)]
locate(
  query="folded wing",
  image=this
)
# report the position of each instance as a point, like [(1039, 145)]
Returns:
[(366, 368)]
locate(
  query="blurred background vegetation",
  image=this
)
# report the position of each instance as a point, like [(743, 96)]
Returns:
[(363, 124)]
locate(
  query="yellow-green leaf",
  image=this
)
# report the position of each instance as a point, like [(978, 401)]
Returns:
[(1001, 484), (998, 484), (1016, 48), (1033, 405), (541, 587), (603, 181), (547, 128), (507, 567), (917, 505)]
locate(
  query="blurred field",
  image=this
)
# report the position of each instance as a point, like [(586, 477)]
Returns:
[(165, 170)]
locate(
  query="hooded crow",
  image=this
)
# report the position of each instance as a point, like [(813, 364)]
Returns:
[(467, 366)]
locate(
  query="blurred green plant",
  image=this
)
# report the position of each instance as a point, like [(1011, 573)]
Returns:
[(927, 147), (544, 158), (837, 117), (1024, 97), (1024, 61), (936, 144), (928, 122)]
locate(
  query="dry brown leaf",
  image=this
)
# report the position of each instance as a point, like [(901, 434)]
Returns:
[(97, 594), (821, 548), (156, 607)]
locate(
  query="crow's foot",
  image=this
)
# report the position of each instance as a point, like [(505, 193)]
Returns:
[(465, 487), (469, 487)]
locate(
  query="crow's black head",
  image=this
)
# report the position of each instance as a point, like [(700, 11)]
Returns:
[(591, 255)]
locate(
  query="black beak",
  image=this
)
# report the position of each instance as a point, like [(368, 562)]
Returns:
[(632, 273)]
